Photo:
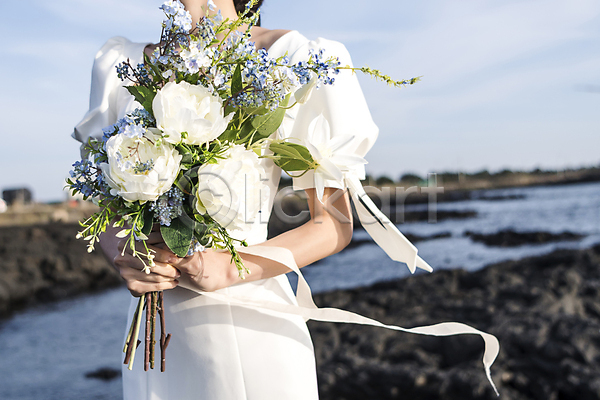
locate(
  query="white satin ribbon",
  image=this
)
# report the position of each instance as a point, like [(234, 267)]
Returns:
[(308, 310), (381, 229)]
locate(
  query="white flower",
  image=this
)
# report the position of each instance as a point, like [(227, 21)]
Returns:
[(329, 153), (181, 107), (303, 94), (232, 191), (194, 58), (137, 169), (133, 131), (287, 79), (218, 77)]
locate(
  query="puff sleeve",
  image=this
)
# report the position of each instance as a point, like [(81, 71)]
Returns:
[(108, 97), (342, 104)]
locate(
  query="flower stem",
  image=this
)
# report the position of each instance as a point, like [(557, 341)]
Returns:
[(153, 327), (132, 347), (148, 297), (164, 338)]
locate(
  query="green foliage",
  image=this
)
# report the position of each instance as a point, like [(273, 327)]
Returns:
[(236, 81), (409, 177), (178, 236), (266, 124), (384, 180), (378, 75), (143, 95), (148, 218), (291, 157)]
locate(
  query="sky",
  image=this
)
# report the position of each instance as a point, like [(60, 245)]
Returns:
[(505, 84)]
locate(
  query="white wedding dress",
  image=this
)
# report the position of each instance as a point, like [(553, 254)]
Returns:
[(222, 348)]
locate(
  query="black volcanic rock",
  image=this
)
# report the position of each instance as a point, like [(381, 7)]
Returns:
[(104, 374), (511, 238), (46, 262), (545, 311)]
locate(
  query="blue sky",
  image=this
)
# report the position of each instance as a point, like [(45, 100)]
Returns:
[(506, 84)]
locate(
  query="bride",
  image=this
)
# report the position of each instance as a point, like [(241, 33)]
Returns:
[(220, 348)]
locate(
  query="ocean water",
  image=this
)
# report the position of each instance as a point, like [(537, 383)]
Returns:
[(46, 351), (574, 208)]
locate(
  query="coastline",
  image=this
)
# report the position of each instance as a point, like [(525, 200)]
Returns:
[(543, 309)]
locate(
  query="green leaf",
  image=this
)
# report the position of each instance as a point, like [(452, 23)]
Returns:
[(256, 110), (284, 150), (178, 236), (229, 135), (148, 221), (186, 182), (245, 133), (143, 95), (200, 229), (302, 150), (268, 123), (291, 156), (156, 71), (187, 158), (236, 81), (292, 165)]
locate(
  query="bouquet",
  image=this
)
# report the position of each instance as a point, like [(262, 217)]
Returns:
[(188, 158)]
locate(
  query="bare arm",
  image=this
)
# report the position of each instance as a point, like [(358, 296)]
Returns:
[(328, 232)]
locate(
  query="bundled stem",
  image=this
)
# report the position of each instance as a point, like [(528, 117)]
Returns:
[(132, 342), (154, 307), (148, 297), (153, 303), (164, 338)]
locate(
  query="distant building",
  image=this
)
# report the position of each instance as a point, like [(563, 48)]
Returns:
[(17, 196)]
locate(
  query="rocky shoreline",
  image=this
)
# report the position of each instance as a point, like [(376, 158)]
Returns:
[(42, 263), (511, 238), (545, 311)]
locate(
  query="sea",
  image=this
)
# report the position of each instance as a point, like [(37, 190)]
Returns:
[(47, 351)]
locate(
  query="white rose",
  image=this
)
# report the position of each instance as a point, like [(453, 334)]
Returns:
[(181, 107), (232, 191), (139, 170)]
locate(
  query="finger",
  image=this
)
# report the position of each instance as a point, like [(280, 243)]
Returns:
[(193, 265), (137, 288), (132, 274), (165, 270), (164, 255), (122, 260), (155, 237)]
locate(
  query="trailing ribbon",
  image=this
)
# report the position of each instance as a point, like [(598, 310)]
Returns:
[(381, 229), (308, 310)]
